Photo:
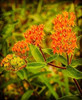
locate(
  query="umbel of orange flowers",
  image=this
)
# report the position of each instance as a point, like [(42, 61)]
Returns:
[(64, 39), (21, 49), (35, 34)]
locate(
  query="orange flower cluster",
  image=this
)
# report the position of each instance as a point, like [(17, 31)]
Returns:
[(21, 48), (35, 34), (64, 39)]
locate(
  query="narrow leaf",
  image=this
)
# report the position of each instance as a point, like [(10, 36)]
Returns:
[(48, 51), (76, 62), (62, 60), (58, 58), (36, 64), (9, 82), (69, 98), (46, 82), (73, 73), (27, 95), (38, 74), (54, 57), (36, 53), (20, 73)]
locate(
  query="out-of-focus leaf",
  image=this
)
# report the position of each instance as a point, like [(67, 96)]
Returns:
[(5, 84), (79, 37), (39, 6), (46, 82), (54, 57), (48, 51), (36, 17), (4, 48), (70, 98), (62, 59), (27, 95), (0, 46), (20, 73), (77, 28), (58, 58), (72, 72), (36, 53), (79, 6), (1, 69), (76, 62), (38, 74)]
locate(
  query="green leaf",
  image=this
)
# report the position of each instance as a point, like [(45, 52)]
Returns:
[(1, 69), (9, 82), (69, 98), (38, 74), (58, 58), (62, 60), (36, 64), (48, 51), (76, 62), (39, 6), (20, 73), (27, 95), (79, 37), (54, 57), (46, 82), (73, 73), (38, 57), (36, 53)]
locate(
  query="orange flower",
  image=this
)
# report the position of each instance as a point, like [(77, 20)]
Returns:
[(35, 34), (21, 48), (64, 39), (6, 59)]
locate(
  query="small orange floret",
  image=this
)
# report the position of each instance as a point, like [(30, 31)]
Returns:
[(21, 48), (64, 39), (6, 59), (35, 34)]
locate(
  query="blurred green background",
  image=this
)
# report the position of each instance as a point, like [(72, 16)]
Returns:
[(16, 16)]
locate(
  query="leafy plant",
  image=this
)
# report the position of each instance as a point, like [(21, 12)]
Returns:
[(34, 64)]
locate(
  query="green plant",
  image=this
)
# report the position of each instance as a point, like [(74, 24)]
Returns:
[(63, 42)]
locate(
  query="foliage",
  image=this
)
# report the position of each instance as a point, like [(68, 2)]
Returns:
[(33, 72)]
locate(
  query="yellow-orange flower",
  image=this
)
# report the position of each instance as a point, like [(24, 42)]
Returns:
[(21, 48), (35, 34), (12, 62), (64, 39)]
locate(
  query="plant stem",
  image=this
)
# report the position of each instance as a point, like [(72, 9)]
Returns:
[(68, 61), (2, 55), (56, 66), (77, 84), (50, 63), (42, 54), (78, 87)]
